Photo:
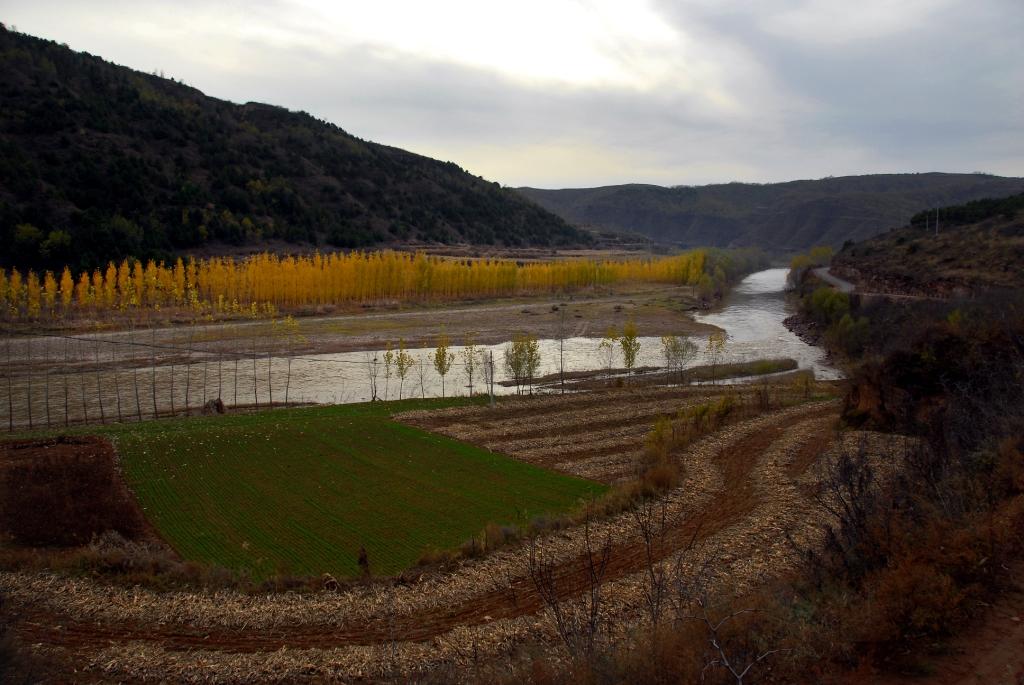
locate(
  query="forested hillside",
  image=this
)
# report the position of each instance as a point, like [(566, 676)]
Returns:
[(959, 250), (778, 216), (99, 162)]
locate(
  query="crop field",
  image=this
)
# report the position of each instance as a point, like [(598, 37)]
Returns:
[(301, 490), (744, 501)]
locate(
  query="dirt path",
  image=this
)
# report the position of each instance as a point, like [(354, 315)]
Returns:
[(989, 652), (742, 496), (825, 274), (839, 284)]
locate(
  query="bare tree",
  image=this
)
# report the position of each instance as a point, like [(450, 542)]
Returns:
[(372, 371), (606, 348), (470, 359), (389, 360), (738, 660), (651, 522), (847, 489), (691, 600), (678, 351), (715, 350), (522, 360), (577, 623), (488, 367), (419, 373)]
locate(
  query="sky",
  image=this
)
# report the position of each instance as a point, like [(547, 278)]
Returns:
[(578, 93)]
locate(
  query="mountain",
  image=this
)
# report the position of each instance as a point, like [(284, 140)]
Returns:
[(778, 216), (98, 161), (978, 246)]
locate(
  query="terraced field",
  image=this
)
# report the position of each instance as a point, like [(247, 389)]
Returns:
[(746, 495), (301, 490), (599, 436)]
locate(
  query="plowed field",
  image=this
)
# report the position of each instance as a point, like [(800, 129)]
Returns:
[(745, 495)]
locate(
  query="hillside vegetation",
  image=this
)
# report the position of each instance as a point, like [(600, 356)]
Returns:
[(977, 246), (98, 161), (777, 216)]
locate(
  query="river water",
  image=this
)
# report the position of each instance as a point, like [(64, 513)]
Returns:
[(751, 315)]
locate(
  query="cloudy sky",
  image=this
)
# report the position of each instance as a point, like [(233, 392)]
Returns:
[(569, 93)]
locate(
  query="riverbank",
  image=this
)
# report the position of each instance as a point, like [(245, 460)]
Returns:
[(339, 360), (809, 332)]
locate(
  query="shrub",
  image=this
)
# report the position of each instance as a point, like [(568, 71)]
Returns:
[(849, 335), (911, 598), (496, 536), (826, 305)]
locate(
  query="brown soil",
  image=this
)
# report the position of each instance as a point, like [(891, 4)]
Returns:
[(64, 491)]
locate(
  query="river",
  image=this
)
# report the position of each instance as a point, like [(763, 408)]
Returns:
[(752, 316)]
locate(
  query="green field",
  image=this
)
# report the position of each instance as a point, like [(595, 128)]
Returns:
[(300, 490)]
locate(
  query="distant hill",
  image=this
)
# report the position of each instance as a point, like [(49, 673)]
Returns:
[(98, 161), (978, 246), (779, 216)]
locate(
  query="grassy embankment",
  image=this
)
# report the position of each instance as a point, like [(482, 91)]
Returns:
[(301, 490)]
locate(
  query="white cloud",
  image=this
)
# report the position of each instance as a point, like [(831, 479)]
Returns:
[(580, 92)]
